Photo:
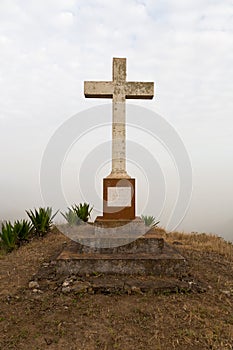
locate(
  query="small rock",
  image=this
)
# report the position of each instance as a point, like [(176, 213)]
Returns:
[(66, 289), (33, 285), (226, 292), (136, 290), (48, 341), (45, 264), (37, 291), (190, 284), (80, 287), (65, 284)]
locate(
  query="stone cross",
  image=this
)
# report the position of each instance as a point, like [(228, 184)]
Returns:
[(118, 89)]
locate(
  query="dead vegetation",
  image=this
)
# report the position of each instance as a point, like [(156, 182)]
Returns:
[(200, 241), (73, 321)]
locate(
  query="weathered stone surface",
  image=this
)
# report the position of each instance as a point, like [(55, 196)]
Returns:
[(118, 89), (112, 265), (141, 257), (105, 233), (131, 229), (80, 287), (53, 279)]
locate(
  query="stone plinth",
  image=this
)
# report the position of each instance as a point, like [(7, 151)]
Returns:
[(105, 233), (124, 225), (144, 256)]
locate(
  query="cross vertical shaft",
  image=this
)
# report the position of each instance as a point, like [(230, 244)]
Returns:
[(118, 120), (119, 90)]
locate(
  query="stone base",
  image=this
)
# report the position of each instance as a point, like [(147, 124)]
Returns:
[(144, 256), (125, 225), (105, 233), (111, 233)]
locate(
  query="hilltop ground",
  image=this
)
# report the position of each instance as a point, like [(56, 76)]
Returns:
[(44, 317)]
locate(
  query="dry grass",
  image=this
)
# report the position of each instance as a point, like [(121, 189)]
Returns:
[(181, 321), (199, 241)]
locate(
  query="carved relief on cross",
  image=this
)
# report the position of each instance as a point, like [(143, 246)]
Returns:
[(118, 89)]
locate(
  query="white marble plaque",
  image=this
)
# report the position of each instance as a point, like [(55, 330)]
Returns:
[(119, 197)]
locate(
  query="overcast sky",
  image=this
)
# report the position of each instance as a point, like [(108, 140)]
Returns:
[(49, 47)]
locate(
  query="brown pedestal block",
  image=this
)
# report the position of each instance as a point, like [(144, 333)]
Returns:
[(118, 199)]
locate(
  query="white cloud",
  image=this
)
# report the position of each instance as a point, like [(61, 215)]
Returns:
[(49, 48), (63, 19)]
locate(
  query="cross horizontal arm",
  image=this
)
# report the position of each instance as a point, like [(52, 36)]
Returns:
[(98, 89), (139, 90)]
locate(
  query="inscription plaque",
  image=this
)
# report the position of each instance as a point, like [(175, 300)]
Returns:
[(119, 197)]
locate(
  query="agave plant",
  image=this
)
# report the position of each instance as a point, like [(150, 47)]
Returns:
[(83, 211), (149, 220), (41, 219), (8, 236), (71, 217), (22, 229)]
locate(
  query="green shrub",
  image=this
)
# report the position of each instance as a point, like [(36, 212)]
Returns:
[(71, 217), (83, 211), (23, 230), (41, 220), (78, 213), (8, 236), (149, 220)]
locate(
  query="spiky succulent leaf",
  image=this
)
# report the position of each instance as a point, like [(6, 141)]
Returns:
[(41, 219), (83, 211), (149, 220), (71, 217), (22, 229), (8, 236)]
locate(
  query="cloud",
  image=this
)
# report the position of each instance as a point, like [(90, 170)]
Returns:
[(63, 19), (49, 48)]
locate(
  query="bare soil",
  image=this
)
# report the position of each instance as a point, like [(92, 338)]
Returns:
[(52, 316)]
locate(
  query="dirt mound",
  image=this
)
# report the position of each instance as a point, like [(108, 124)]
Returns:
[(41, 309)]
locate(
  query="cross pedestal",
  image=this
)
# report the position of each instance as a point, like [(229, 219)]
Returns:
[(119, 198), (118, 187), (123, 248)]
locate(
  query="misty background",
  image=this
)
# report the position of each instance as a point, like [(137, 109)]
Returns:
[(47, 50)]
